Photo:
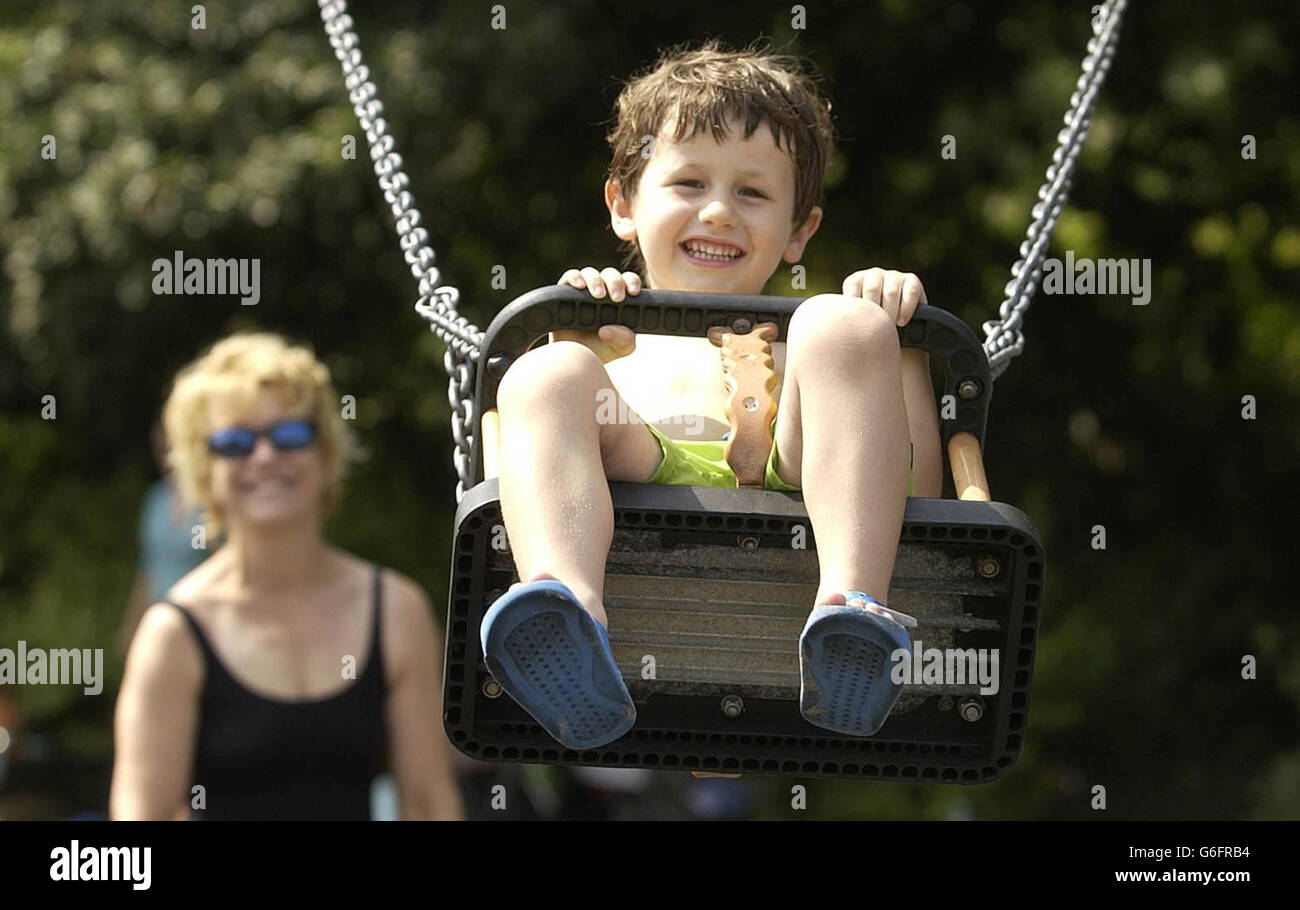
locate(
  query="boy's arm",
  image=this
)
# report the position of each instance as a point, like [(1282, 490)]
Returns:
[(609, 342)]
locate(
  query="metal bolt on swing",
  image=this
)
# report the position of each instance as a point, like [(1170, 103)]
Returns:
[(971, 708)]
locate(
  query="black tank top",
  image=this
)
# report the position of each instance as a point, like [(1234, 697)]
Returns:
[(260, 758)]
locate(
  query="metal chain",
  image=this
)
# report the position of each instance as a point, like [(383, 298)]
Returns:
[(1004, 340), (460, 398), (437, 303), (463, 339)]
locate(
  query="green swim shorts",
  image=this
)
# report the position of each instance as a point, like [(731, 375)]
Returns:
[(701, 463)]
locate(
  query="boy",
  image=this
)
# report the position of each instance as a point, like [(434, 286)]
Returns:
[(740, 144)]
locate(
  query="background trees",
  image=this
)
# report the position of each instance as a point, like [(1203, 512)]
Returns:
[(226, 142)]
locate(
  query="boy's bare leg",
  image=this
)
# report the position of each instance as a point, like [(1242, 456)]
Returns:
[(923, 424), (556, 463), (842, 435)]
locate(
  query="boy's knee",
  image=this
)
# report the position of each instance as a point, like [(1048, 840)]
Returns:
[(547, 371), (842, 323)]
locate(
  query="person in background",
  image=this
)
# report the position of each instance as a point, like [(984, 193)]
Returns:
[(169, 544), (282, 676)]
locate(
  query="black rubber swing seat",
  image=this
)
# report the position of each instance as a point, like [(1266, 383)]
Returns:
[(704, 581)]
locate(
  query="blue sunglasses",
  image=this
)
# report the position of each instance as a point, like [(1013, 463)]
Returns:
[(285, 435)]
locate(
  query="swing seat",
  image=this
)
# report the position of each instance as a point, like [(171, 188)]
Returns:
[(707, 591)]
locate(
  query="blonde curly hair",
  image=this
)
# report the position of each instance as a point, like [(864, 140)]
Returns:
[(234, 370)]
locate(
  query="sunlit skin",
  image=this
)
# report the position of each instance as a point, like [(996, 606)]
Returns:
[(839, 354)]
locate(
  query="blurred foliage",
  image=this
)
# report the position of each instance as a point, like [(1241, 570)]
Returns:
[(225, 142)]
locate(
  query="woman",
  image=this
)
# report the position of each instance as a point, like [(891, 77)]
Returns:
[(280, 677)]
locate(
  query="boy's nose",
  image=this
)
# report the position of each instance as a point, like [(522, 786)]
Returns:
[(717, 212)]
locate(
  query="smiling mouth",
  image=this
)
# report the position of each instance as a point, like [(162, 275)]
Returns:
[(711, 257), (271, 483)]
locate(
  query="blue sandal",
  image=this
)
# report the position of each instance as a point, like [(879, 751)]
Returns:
[(554, 659), (844, 662)]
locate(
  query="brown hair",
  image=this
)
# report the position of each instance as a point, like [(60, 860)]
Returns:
[(709, 84)]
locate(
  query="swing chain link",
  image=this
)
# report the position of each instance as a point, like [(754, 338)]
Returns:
[(437, 303), (1004, 340), (460, 397)]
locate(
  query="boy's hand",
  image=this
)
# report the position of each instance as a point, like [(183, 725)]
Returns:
[(610, 342), (897, 293)]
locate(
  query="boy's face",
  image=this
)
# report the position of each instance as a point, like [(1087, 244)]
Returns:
[(740, 192)]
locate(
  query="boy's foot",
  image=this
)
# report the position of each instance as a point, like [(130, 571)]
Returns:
[(844, 663), (554, 659)]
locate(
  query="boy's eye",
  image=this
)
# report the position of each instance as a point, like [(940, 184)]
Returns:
[(701, 183)]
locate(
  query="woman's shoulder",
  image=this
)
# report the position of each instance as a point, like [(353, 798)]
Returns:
[(195, 587), (408, 619), (401, 593), (163, 649)]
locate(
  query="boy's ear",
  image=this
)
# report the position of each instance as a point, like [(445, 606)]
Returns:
[(620, 211), (799, 239)]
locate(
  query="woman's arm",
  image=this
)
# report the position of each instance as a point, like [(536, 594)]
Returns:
[(156, 720), (136, 604), (421, 755)]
